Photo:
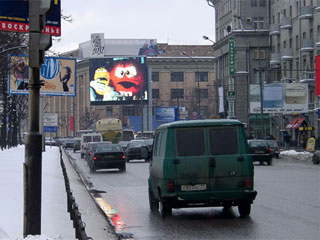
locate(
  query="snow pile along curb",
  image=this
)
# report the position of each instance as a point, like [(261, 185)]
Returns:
[(292, 154)]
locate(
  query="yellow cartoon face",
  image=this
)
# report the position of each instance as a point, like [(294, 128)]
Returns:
[(101, 81)]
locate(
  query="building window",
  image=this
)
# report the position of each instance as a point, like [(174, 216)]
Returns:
[(290, 11), (109, 112), (253, 3), (304, 35), (258, 22), (256, 76), (284, 44), (297, 42), (128, 111), (290, 42), (203, 76), (311, 33), (256, 54), (177, 77), (203, 93), (177, 93), (155, 76), (155, 94), (262, 3)]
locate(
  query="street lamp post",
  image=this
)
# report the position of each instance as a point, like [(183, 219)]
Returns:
[(198, 80)]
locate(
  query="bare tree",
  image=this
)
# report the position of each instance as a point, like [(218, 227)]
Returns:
[(88, 118)]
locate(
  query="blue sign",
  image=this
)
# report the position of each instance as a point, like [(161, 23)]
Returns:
[(50, 128)]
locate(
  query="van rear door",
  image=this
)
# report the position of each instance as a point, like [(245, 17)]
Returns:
[(191, 161), (225, 162)]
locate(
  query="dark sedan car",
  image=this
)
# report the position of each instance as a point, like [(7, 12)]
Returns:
[(107, 156), (137, 149), (260, 151), (275, 148)]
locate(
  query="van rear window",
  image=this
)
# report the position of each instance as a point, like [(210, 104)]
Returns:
[(223, 141), (190, 142), (87, 138), (96, 138)]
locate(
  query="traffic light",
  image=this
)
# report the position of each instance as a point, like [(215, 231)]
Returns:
[(39, 42)]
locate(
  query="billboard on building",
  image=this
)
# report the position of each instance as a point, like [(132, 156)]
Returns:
[(14, 16), (286, 98), (58, 76), (100, 47), (121, 80)]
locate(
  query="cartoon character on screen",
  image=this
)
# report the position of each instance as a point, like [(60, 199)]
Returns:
[(127, 80), (99, 86)]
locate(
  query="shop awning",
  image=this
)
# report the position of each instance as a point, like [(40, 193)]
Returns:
[(295, 123)]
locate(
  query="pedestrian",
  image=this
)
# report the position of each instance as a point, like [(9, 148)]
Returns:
[(286, 138)]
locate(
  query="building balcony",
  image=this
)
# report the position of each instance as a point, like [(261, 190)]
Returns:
[(307, 45), (318, 6), (307, 77), (274, 29), (306, 12), (286, 23), (287, 54), (318, 40), (275, 59)]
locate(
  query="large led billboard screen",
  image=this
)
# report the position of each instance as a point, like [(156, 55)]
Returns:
[(57, 74), (118, 80)]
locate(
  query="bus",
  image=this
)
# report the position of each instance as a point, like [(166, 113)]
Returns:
[(110, 129)]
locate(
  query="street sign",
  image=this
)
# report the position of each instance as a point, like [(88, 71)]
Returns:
[(50, 129), (231, 93), (231, 56)]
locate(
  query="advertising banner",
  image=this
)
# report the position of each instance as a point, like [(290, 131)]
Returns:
[(317, 90), (100, 47), (118, 80), (280, 98), (57, 74), (14, 16), (165, 114)]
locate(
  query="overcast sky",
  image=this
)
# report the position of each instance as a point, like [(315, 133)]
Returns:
[(168, 21)]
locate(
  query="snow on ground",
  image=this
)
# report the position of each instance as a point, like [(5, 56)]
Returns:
[(293, 154)]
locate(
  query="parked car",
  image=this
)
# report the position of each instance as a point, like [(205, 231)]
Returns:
[(76, 144), (203, 163), (274, 145), (316, 157), (50, 141), (107, 156), (260, 151), (137, 149)]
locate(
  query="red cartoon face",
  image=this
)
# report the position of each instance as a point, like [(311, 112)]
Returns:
[(126, 79)]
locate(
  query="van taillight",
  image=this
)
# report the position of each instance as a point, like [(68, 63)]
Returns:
[(123, 156), (95, 158), (270, 150), (248, 182), (171, 186)]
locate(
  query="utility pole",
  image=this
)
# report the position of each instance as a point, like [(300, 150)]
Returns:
[(38, 43)]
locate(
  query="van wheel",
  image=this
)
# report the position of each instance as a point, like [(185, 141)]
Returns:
[(153, 203), (244, 209), (165, 209), (123, 168)]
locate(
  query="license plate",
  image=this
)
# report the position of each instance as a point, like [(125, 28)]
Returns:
[(259, 152), (197, 187)]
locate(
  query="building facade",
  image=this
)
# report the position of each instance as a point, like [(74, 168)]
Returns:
[(275, 42)]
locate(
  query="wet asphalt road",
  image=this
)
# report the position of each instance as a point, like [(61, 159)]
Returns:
[(287, 205)]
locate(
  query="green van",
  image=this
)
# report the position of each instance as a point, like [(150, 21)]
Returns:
[(201, 163)]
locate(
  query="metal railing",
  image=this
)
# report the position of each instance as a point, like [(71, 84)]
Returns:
[(72, 206)]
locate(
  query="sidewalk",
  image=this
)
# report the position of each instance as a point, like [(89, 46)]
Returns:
[(55, 220)]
